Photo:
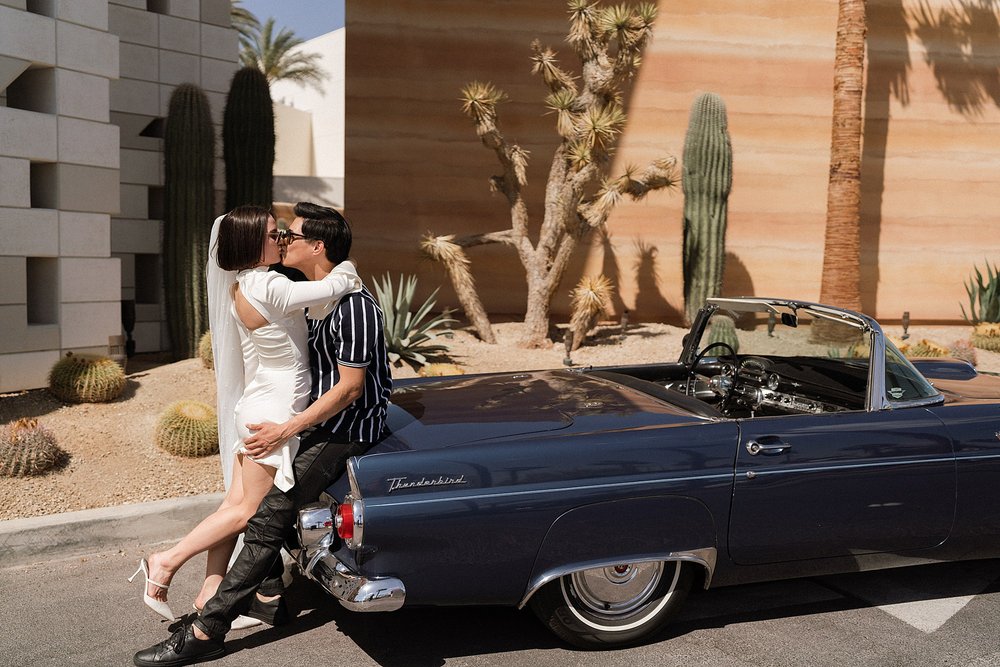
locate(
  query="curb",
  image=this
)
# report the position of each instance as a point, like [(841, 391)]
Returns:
[(44, 538)]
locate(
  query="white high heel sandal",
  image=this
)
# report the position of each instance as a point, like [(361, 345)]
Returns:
[(159, 606)]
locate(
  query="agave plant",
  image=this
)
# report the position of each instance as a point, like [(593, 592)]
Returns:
[(407, 334), (986, 293)]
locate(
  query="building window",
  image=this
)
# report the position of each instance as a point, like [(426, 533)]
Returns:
[(147, 278), (42, 177), (42, 281)]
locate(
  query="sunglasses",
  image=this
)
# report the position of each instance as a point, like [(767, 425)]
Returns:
[(284, 236)]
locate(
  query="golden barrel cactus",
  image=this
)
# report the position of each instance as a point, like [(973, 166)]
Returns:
[(205, 350), (188, 428), (84, 379)]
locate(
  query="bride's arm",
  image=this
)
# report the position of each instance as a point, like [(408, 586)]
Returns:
[(288, 296)]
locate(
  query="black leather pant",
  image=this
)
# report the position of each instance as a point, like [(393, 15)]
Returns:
[(321, 459)]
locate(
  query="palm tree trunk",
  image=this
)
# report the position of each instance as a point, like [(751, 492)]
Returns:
[(840, 283)]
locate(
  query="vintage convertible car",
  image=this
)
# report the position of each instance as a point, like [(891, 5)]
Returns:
[(599, 497)]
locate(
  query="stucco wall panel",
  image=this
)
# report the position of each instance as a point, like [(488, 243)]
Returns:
[(29, 232), (136, 97), (89, 279), (26, 371), (179, 34), (140, 61), (90, 13), (15, 188), (96, 321), (13, 287), (133, 24), (86, 50), (83, 96), (219, 42), (135, 236), (87, 142), (28, 36), (84, 234)]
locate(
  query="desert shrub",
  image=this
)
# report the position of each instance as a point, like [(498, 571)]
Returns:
[(590, 299), (83, 379), (27, 448), (408, 335), (188, 428), (964, 350)]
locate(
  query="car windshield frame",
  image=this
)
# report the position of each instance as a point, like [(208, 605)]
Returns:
[(877, 397)]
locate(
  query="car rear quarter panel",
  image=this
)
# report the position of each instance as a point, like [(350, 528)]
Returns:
[(529, 504)]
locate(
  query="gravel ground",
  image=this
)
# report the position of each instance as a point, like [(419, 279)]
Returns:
[(114, 461)]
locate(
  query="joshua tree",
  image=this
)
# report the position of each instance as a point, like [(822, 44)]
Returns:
[(275, 56), (580, 193), (841, 280)]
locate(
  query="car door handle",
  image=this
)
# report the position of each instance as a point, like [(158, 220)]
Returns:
[(755, 448)]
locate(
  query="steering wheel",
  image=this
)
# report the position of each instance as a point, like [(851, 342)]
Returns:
[(701, 355)]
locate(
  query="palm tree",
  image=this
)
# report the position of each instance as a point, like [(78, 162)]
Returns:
[(274, 55), (246, 24), (840, 284)]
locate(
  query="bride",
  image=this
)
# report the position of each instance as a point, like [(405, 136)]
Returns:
[(262, 371)]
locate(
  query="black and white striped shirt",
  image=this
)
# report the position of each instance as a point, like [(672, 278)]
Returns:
[(352, 335)]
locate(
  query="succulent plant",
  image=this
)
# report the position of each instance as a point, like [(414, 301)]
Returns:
[(590, 299), (248, 140), (205, 350), (984, 296), (706, 181), (84, 379), (986, 336), (964, 350), (722, 329), (188, 428), (27, 448), (407, 335), (439, 370)]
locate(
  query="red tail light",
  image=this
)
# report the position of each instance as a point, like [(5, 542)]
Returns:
[(345, 520)]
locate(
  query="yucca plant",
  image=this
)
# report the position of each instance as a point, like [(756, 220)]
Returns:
[(407, 335)]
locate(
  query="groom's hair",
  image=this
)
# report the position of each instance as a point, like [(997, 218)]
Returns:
[(240, 243), (327, 225)]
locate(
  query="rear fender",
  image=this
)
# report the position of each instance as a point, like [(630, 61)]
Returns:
[(656, 528)]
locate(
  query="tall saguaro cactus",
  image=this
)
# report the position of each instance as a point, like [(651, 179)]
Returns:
[(706, 180), (248, 140), (189, 156)]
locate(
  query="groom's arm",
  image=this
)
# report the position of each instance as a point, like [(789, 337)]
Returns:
[(266, 437)]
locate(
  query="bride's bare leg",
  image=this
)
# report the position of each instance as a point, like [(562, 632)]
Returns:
[(220, 552), (224, 523)]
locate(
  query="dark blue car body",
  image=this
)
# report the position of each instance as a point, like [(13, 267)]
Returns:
[(600, 496)]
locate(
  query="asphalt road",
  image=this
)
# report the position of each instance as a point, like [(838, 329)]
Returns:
[(81, 611)]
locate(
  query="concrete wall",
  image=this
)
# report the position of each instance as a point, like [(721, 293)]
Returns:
[(81, 82), (932, 105)]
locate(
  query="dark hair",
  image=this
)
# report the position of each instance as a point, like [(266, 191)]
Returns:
[(241, 238), (327, 225)]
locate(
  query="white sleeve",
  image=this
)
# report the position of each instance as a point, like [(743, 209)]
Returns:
[(288, 296)]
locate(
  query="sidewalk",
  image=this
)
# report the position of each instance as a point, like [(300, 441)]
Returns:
[(44, 538)]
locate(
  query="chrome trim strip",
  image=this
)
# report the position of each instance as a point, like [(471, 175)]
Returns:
[(375, 502), (353, 591), (852, 466), (706, 557)]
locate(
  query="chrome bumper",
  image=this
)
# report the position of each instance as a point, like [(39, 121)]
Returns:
[(354, 591)]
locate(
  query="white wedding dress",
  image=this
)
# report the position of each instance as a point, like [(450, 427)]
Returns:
[(276, 357)]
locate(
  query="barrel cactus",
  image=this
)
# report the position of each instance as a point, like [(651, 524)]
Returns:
[(205, 350), (83, 379), (248, 140), (27, 449), (722, 329), (188, 428), (189, 178), (706, 181), (986, 336)]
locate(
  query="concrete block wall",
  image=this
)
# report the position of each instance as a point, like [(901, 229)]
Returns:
[(59, 164), (161, 45), (84, 84)]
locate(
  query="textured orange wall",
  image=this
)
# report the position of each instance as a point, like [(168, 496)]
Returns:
[(414, 163)]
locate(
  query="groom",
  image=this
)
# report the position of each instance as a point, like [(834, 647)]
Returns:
[(350, 389)]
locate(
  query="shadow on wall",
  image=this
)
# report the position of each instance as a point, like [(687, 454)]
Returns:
[(961, 44), (648, 299), (736, 279)]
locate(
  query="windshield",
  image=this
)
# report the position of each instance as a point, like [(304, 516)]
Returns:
[(756, 328)]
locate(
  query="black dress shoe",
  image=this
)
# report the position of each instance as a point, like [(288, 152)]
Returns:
[(273, 612), (181, 648)]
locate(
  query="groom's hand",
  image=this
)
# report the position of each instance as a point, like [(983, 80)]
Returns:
[(265, 438)]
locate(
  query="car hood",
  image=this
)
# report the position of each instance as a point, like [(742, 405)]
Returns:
[(459, 410)]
